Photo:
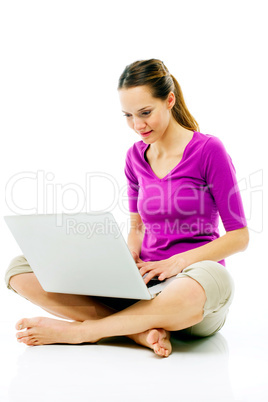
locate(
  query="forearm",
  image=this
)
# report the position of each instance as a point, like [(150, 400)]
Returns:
[(134, 241), (230, 243)]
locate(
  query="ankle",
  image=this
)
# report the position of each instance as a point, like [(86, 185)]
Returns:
[(88, 331)]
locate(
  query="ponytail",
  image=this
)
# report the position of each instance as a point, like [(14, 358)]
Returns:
[(180, 111)]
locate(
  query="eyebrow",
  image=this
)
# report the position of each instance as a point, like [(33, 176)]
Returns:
[(139, 109)]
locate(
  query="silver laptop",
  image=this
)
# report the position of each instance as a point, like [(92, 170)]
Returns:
[(82, 253)]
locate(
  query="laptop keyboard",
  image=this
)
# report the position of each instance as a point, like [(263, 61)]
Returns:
[(153, 282)]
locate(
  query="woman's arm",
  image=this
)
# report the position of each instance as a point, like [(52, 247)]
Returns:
[(136, 234), (216, 250), (230, 243)]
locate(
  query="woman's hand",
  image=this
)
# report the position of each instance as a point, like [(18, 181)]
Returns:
[(162, 269)]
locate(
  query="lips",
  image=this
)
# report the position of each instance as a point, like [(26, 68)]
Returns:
[(147, 133)]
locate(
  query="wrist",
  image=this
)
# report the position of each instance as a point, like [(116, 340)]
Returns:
[(134, 254), (132, 250), (180, 261)]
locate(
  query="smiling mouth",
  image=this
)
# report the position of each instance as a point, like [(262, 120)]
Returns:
[(148, 132)]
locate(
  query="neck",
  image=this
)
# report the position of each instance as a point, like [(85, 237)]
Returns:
[(172, 141)]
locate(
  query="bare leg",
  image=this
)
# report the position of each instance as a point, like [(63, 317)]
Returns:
[(179, 306), (71, 307), (77, 308)]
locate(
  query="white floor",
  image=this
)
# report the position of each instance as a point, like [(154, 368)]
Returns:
[(230, 366)]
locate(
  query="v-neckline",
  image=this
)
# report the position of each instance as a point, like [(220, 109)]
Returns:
[(183, 154)]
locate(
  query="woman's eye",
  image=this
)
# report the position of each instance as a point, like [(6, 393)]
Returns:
[(143, 114)]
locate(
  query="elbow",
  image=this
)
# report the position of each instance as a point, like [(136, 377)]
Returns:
[(244, 238), (240, 238)]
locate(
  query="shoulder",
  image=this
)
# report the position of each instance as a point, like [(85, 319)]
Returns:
[(208, 141), (134, 160), (214, 147), (210, 146), (136, 150), (214, 154), (203, 144)]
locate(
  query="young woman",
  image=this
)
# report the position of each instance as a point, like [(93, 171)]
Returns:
[(179, 182)]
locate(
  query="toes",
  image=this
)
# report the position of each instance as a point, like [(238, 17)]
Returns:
[(160, 351), (159, 341), (21, 335), (21, 324), (27, 323), (28, 340), (25, 333)]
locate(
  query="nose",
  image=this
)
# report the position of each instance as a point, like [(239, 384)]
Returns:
[(139, 124)]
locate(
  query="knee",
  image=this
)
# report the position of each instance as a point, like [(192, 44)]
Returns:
[(196, 293), (27, 286), (15, 274), (187, 294), (19, 282), (195, 298)]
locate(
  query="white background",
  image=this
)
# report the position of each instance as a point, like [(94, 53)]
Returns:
[(61, 121)]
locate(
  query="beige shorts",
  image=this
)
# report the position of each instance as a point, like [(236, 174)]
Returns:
[(212, 276)]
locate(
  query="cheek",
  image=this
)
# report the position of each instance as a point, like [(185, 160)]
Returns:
[(156, 122)]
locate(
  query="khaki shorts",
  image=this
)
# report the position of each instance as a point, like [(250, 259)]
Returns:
[(212, 276)]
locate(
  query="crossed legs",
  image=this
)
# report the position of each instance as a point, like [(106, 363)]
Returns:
[(179, 306)]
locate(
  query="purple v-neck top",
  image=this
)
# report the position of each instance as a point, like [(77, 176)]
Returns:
[(181, 211)]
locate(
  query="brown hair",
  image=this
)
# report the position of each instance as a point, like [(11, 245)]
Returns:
[(155, 74)]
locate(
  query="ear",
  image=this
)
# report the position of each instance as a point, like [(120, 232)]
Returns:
[(171, 100)]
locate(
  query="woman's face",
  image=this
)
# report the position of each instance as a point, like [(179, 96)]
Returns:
[(147, 116)]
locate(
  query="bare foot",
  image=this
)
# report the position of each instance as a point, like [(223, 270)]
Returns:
[(156, 339), (43, 331)]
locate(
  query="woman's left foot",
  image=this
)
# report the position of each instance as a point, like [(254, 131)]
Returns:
[(156, 339), (44, 331)]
